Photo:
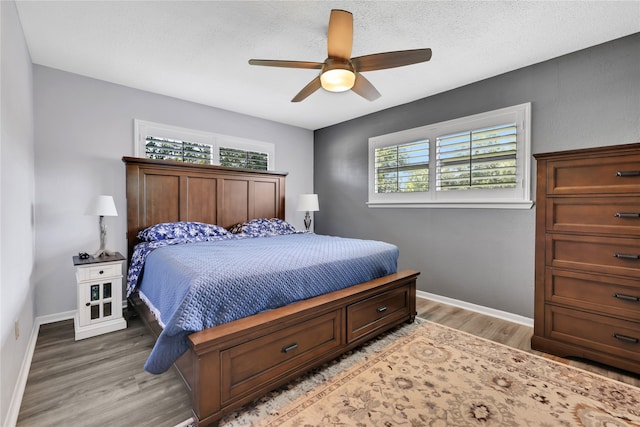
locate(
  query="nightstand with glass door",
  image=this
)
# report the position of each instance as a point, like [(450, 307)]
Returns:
[(99, 286)]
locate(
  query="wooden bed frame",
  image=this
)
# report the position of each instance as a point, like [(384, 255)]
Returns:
[(232, 364)]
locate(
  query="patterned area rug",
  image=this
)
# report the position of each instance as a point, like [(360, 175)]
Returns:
[(430, 375)]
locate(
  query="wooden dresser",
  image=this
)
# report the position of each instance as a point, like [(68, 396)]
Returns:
[(587, 285)]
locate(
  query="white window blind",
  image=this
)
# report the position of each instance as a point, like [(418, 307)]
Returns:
[(477, 159), (166, 142), (236, 158), (402, 167), (181, 151)]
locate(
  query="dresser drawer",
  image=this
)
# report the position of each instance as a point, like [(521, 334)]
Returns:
[(619, 216), (605, 294), (270, 357), (99, 271), (593, 331), (607, 255), (594, 175), (368, 315)]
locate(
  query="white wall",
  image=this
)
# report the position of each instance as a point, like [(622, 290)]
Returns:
[(83, 128), (16, 204)]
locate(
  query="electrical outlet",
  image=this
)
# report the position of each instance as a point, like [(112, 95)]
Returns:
[(17, 329)]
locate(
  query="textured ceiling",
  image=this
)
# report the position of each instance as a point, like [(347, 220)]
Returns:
[(198, 51)]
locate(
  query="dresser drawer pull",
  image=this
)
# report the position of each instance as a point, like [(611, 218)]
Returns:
[(626, 338), (625, 174), (382, 309), (627, 215), (290, 347), (627, 256), (626, 297)]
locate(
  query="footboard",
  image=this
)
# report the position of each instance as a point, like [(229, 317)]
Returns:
[(232, 364)]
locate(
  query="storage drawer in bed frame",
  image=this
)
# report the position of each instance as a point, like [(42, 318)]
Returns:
[(232, 364), (365, 317), (273, 355)]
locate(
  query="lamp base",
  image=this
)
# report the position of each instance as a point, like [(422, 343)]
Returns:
[(307, 221), (103, 253), (103, 239)]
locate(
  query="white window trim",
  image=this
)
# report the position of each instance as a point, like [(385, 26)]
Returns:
[(142, 129), (517, 198)]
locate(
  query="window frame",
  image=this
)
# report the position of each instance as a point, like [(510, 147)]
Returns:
[(143, 128), (512, 198)]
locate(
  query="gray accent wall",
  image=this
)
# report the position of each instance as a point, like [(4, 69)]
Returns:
[(585, 99)]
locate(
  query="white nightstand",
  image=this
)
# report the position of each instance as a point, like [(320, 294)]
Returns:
[(99, 295)]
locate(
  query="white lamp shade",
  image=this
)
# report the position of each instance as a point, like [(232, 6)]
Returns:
[(103, 206), (308, 202)]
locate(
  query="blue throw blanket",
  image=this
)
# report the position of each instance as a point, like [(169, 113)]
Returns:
[(198, 285)]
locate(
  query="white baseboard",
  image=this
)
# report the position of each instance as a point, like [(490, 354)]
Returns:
[(504, 315), (57, 317), (18, 392)]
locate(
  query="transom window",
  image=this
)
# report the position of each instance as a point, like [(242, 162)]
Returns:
[(180, 151), (237, 158), (165, 142), (476, 161)]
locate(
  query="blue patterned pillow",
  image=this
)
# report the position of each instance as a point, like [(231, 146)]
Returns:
[(180, 229), (263, 227)]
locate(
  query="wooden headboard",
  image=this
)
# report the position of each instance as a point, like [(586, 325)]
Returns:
[(166, 191)]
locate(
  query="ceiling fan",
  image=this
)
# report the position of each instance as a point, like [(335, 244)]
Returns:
[(340, 72)]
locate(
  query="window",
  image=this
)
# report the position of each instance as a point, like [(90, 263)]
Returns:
[(402, 167), (181, 151), (159, 141), (481, 158), (236, 158), (476, 161)]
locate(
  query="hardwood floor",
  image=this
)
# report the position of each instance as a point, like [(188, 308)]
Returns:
[(99, 381)]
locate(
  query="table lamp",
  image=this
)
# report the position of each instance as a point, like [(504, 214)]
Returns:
[(102, 206), (308, 203)]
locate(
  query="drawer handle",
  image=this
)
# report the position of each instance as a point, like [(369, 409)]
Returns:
[(626, 338), (290, 347), (382, 309), (626, 297), (101, 272), (626, 256), (627, 215), (626, 174)]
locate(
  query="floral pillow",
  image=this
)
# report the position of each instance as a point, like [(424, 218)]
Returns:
[(263, 227), (180, 229)]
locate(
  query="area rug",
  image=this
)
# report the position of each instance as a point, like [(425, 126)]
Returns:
[(430, 375)]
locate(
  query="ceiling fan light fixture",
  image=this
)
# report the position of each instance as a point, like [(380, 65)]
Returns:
[(340, 72), (337, 76)]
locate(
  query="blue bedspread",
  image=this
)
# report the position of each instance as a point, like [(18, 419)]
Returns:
[(198, 285)]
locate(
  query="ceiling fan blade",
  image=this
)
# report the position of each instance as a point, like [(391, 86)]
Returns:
[(311, 87), (381, 61), (285, 64), (340, 34), (364, 88)]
